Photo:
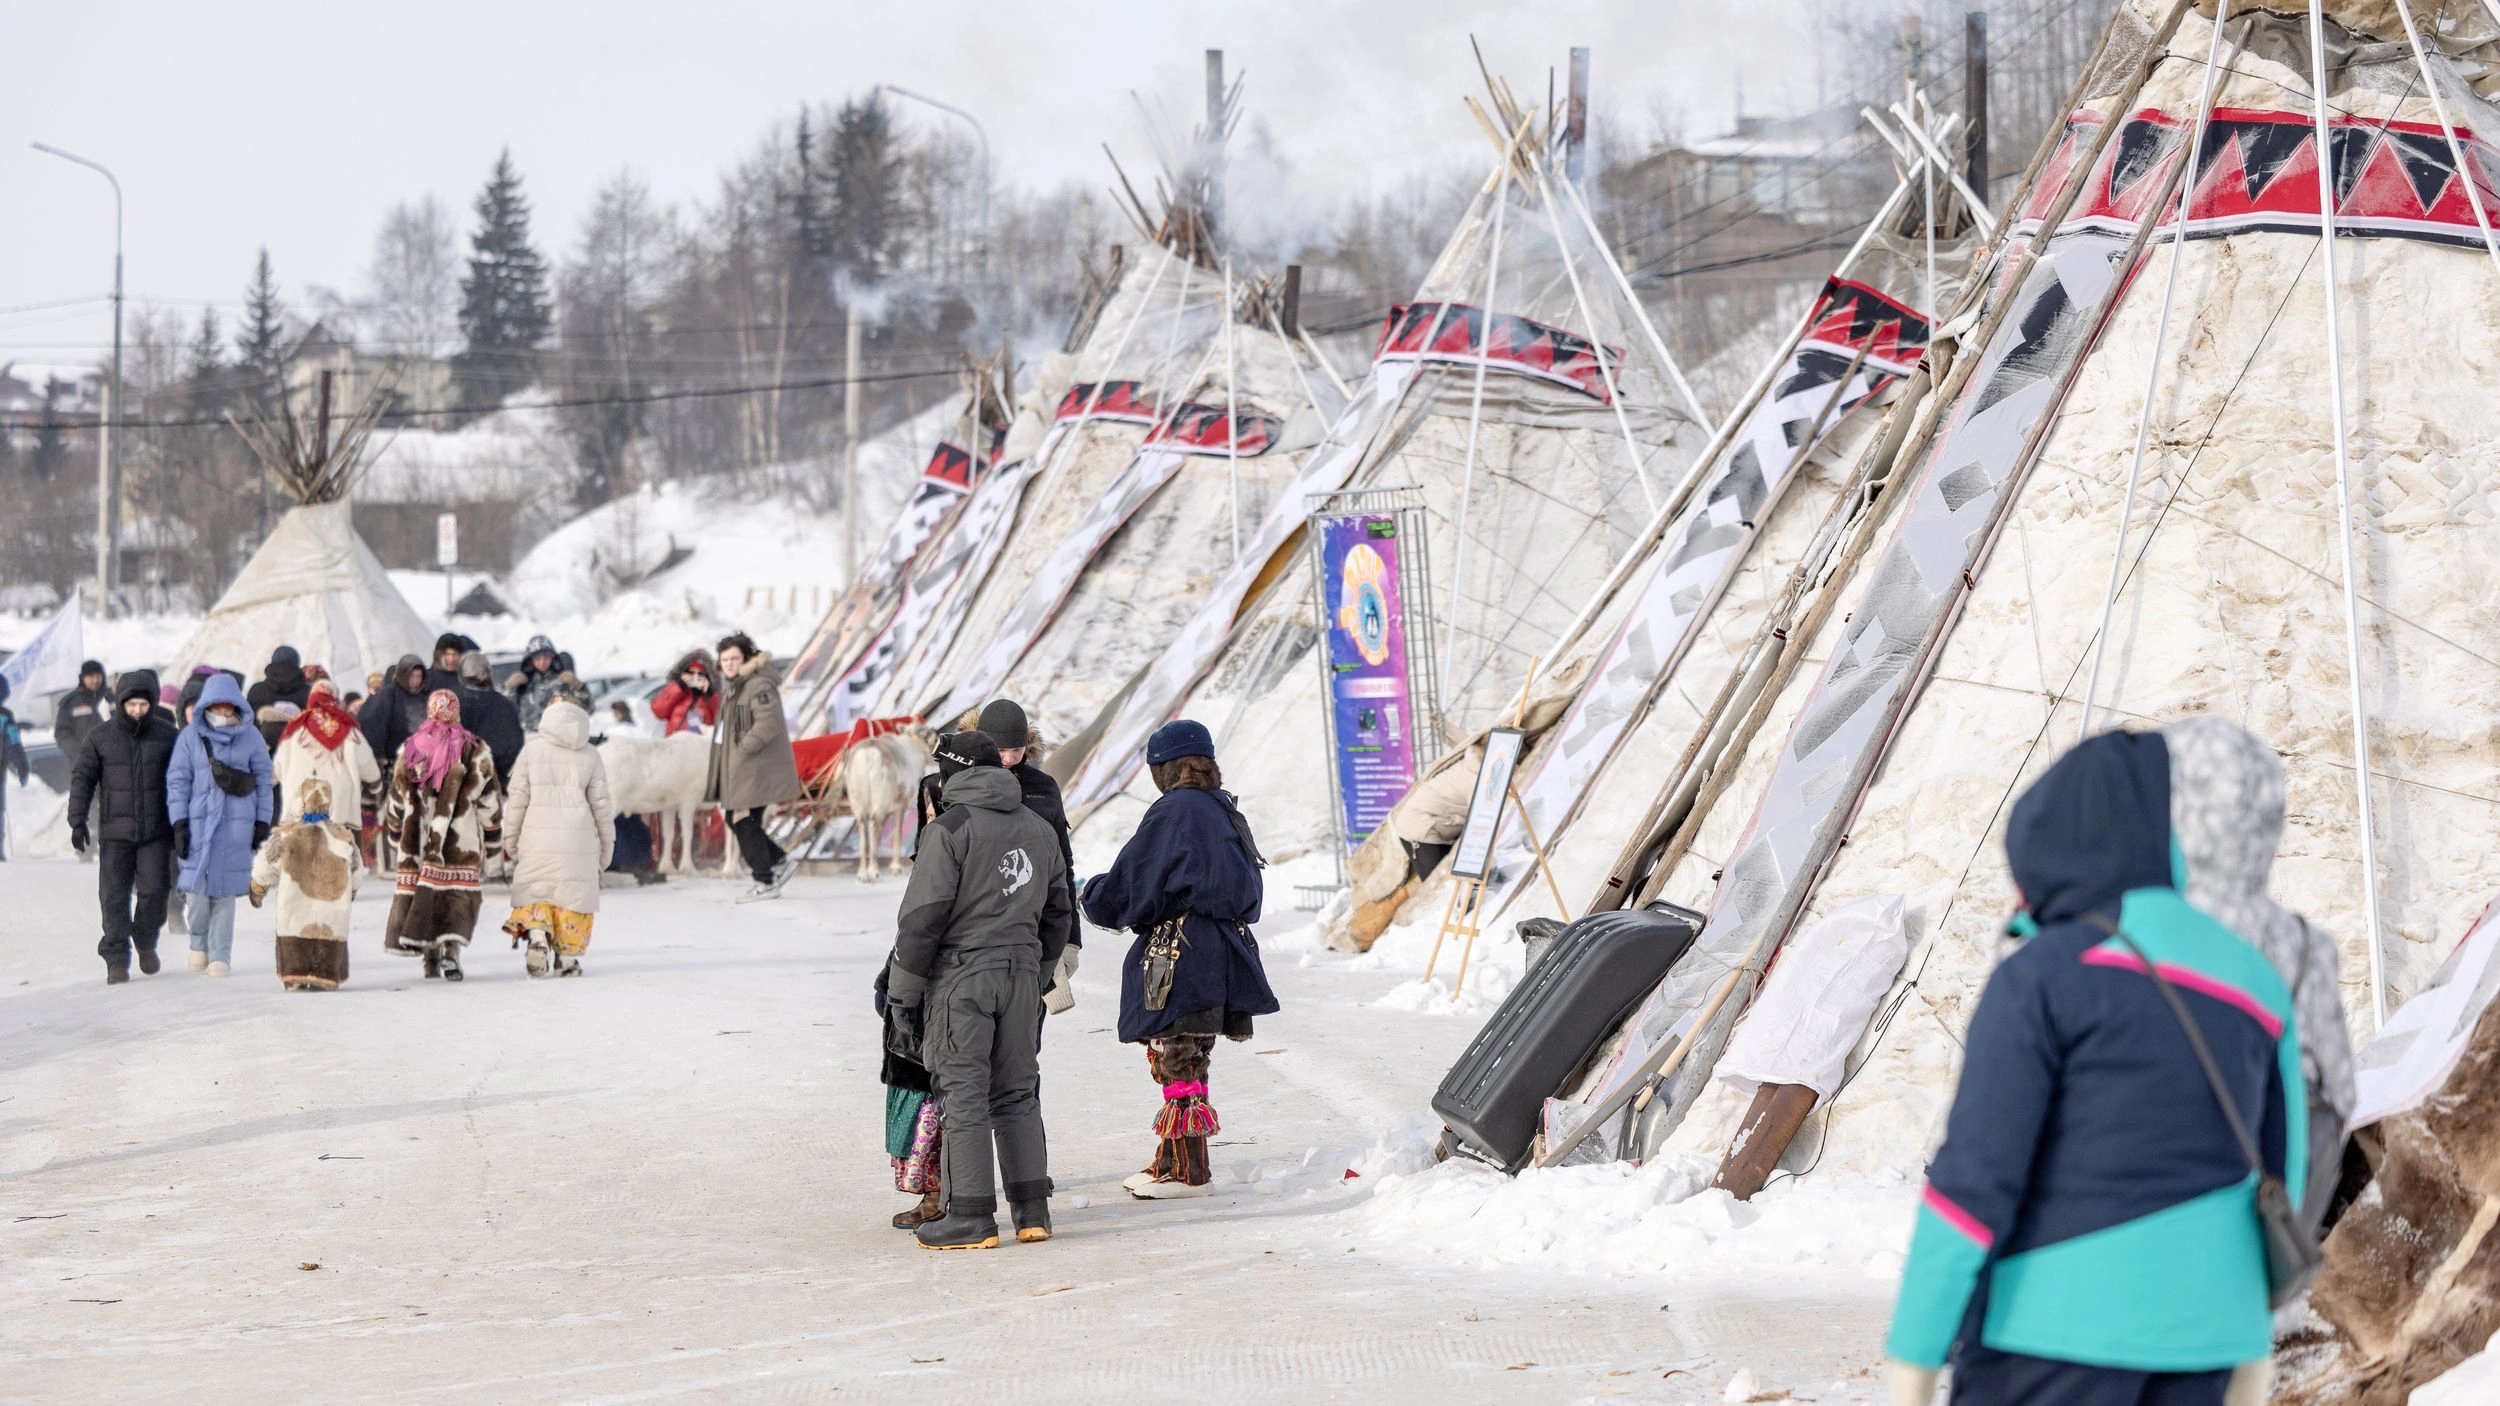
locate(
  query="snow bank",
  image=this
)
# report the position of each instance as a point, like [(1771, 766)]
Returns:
[(1660, 1218), (629, 586)]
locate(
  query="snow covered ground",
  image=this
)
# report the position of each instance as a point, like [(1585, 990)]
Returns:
[(667, 1180)]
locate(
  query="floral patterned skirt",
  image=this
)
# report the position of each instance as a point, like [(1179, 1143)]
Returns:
[(912, 1140), (570, 931)]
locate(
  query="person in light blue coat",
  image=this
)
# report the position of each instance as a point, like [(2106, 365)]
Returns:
[(217, 793)]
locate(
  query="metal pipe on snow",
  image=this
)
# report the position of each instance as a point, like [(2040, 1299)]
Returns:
[(2152, 368), (2343, 511), (1475, 411)]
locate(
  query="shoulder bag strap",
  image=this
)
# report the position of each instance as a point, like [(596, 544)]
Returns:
[(2196, 1041)]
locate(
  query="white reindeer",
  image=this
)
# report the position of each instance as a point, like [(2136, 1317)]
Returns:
[(663, 777), (877, 778)]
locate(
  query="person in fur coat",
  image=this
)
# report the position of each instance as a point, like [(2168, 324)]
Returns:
[(563, 830), (310, 863), (1188, 884), (324, 741), (445, 811)]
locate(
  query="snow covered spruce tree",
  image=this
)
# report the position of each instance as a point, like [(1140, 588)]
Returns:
[(504, 308)]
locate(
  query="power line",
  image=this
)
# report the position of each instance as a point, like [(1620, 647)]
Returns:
[(88, 422)]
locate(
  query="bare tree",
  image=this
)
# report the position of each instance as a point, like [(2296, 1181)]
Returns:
[(413, 283), (606, 299)]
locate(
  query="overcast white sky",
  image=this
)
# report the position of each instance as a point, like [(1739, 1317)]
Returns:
[(296, 125)]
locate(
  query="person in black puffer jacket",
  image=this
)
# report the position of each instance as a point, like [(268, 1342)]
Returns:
[(282, 681), (122, 771), (490, 715), (395, 711)]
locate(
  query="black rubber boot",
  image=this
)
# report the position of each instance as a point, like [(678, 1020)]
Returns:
[(959, 1232), (148, 964), (115, 975), (1032, 1220)]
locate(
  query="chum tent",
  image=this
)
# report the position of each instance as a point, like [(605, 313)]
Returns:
[(313, 584), (1157, 442), (1536, 441), (1780, 502), (2244, 472)]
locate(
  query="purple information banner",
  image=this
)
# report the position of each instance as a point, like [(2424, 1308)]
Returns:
[(1367, 679)]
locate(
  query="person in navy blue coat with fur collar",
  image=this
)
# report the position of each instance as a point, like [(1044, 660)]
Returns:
[(1187, 883)]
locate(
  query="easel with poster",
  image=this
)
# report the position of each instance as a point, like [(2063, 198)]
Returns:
[(1472, 858)]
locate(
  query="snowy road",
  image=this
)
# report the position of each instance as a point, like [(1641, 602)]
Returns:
[(666, 1182)]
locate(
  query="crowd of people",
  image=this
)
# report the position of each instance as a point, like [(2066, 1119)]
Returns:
[(284, 793), (194, 798)]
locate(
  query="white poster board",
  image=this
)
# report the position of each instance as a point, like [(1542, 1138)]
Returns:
[(2413, 1053), (1484, 807), (447, 539)]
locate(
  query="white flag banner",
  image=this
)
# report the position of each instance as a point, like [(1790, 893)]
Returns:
[(49, 662)]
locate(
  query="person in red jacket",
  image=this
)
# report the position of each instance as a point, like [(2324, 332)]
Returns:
[(689, 697)]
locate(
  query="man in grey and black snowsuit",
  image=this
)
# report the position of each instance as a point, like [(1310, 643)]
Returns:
[(986, 913)]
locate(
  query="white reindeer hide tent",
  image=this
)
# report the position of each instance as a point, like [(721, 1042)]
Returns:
[(840, 662), (1535, 437), (1959, 664), (1058, 501), (1202, 480), (315, 585)]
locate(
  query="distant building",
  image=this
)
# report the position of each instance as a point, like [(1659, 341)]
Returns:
[(22, 388), (423, 385)]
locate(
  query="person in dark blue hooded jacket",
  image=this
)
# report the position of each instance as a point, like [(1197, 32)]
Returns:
[(2089, 1231), (1187, 883)]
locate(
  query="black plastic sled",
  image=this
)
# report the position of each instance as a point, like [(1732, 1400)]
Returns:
[(1588, 979)]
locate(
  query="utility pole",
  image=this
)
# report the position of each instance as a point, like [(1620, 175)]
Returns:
[(108, 474), (1975, 101), (321, 424), (850, 442), (1215, 143), (1576, 117)]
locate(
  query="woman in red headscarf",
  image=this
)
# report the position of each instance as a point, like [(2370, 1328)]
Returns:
[(324, 741), (444, 814)]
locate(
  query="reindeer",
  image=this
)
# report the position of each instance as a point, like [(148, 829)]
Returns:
[(663, 777), (877, 779)]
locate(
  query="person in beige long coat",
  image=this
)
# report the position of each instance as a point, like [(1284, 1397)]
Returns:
[(752, 766), (560, 829), (324, 740)]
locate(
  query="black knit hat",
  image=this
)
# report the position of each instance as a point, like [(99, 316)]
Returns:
[(958, 750), (1003, 722)]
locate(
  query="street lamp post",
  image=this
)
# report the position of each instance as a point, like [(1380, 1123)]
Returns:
[(108, 479)]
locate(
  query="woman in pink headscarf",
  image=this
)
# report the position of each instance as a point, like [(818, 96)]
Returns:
[(445, 813)]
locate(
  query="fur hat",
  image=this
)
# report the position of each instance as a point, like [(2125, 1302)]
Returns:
[(957, 751), (1179, 738), (1003, 722), (475, 671)]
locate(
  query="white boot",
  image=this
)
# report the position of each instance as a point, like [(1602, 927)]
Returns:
[(540, 959), (199, 960), (218, 968), (1169, 1190)]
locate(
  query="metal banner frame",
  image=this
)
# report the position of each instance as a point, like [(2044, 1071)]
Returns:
[(1404, 504)]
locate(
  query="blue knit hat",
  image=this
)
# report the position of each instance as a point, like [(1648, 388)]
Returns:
[(1179, 738)]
